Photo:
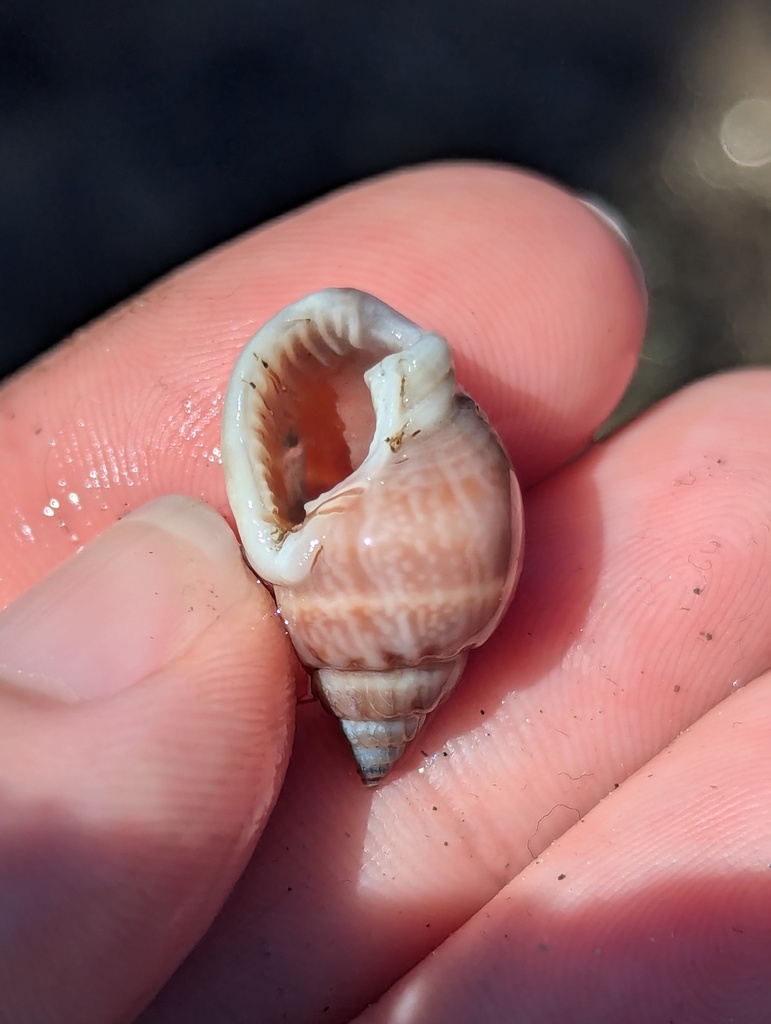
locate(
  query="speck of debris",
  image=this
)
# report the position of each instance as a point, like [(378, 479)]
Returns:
[(444, 753), (38, 431), (543, 947), (677, 687), (707, 636), (697, 590), (264, 363), (616, 785), (289, 888), (424, 753), (347, 835), (446, 843), (481, 711), (325, 1010), (560, 877), (434, 808), (396, 441)]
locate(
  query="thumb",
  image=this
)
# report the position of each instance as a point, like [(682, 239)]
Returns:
[(146, 696)]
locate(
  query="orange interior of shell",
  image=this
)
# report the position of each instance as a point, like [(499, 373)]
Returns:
[(317, 424)]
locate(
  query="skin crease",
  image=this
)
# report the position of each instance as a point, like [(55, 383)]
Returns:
[(644, 598)]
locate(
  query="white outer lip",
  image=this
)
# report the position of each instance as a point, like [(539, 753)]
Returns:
[(411, 382)]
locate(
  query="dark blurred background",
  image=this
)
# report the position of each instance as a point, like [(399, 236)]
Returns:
[(135, 136)]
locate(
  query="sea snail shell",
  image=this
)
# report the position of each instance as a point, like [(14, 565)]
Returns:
[(374, 496)]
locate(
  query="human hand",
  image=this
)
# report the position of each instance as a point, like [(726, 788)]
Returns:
[(148, 700)]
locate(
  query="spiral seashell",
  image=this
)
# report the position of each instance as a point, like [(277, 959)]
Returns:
[(376, 499)]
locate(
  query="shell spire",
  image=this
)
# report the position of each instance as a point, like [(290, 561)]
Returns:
[(376, 499)]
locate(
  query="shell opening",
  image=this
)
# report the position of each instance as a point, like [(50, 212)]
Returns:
[(318, 397), (312, 414)]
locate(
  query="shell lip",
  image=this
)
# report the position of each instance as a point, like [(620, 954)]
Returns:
[(411, 385)]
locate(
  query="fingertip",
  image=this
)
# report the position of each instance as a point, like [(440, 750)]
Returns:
[(125, 604), (539, 296), (533, 291), (128, 816), (652, 907)]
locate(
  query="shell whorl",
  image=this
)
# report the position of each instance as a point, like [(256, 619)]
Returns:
[(380, 712), (376, 499)]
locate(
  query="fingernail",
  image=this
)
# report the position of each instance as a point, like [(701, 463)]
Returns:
[(130, 601), (613, 220)]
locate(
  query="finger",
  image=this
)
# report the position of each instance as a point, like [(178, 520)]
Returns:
[(655, 907), (646, 595), (145, 719), (536, 294)]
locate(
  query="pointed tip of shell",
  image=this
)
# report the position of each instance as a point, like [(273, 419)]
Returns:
[(375, 763), (378, 745)]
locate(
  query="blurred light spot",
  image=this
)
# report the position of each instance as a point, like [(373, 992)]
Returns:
[(745, 133)]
